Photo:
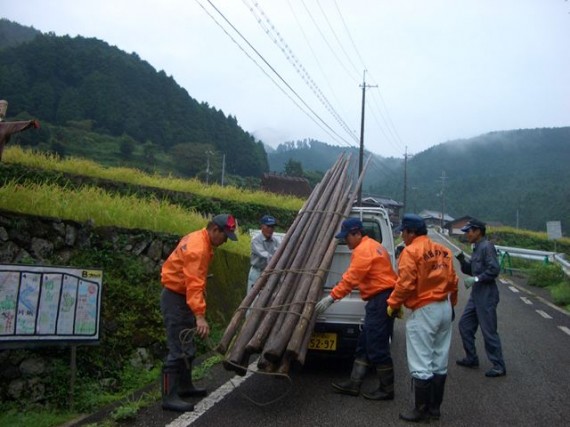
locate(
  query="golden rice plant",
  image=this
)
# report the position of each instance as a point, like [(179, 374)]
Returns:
[(107, 209), (79, 166)]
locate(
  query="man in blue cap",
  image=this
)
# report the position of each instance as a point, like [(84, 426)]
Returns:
[(481, 308), (263, 247), (370, 270), (427, 285)]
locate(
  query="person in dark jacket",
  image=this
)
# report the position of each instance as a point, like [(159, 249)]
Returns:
[(481, 308)]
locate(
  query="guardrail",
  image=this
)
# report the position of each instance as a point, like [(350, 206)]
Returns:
[(536, 255)]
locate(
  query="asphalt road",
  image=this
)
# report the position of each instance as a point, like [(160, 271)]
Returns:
[(536, 346)]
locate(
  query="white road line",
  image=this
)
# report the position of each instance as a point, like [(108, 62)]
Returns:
[(205, 404), (526, 300), (565, 329), (515, 290), (544, 314)]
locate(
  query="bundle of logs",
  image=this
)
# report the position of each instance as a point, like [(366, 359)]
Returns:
[(276, 318)]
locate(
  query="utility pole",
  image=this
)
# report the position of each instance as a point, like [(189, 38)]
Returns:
[(361, 153), (208, 153), (442, 194), (404, 207), (223, 168)]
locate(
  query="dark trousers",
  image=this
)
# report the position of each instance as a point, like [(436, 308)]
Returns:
[(374, 340), (481, 310), (178, 320)]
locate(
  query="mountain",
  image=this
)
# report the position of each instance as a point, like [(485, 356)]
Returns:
[(511, 177), (64, 81)]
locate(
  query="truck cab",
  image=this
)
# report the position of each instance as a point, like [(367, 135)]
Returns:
[(337, 329)]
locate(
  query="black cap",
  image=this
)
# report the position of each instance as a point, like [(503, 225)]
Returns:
[(474, 223)]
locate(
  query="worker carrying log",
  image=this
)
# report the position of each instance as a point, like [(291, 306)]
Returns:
[(371, 271)]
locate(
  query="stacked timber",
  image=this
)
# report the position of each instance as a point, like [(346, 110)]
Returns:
[(276, 318)]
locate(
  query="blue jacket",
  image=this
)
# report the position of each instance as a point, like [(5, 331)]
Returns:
[(484, 263)]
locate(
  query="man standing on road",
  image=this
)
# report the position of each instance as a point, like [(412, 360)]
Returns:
[(371, 271), (183, 306), (263, 247), (481, 308), (427, 284)]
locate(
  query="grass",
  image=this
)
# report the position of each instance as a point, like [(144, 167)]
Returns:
[(106, 209), (79, 166)]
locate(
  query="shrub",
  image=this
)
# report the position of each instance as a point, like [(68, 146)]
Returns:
[(545, 275), (561, 293)]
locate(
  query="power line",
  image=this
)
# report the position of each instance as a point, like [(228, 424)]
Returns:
[(279, 41), (268, 65)]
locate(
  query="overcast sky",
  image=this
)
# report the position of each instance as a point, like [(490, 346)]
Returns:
[(438, 70)]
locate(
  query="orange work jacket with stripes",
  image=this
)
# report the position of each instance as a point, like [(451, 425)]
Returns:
[(186, 269), (370, 271), (425, 275)]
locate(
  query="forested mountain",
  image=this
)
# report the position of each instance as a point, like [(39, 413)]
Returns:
[(508, 177), (64, 81)]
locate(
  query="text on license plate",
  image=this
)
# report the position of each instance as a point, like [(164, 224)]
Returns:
[(323, 341)]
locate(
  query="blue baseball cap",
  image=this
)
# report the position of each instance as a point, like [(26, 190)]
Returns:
[(348, 225), (411, 222), (268, 220)]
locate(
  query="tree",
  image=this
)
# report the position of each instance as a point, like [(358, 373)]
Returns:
[(293, 168)]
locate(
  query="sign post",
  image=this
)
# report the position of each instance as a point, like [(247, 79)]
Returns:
[(554, 231)]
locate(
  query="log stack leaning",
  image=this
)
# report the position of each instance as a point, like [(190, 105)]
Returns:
[(276, 318)]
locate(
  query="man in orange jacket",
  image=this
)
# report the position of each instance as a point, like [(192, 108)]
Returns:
[(371, 271), (427, 284), (183, 306)]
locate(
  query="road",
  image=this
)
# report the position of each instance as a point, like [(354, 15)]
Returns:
[(536, 346)]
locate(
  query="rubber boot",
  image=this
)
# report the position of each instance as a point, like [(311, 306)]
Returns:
[(186, 387), (437, 389), (385, 390), (352, 386), (170, 398), (420, 412)]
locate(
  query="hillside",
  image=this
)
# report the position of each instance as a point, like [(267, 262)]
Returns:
[(86, 83), (500, 176)]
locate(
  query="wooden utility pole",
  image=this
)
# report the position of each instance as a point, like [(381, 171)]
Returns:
[(405, 204), (442, 194), (361, 153)]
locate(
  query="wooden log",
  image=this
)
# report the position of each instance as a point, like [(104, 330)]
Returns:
[(250, 325), (308, 245), (297, 346), (323, 233), (276, 263)]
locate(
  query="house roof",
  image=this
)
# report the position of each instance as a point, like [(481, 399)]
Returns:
[(426, 214)]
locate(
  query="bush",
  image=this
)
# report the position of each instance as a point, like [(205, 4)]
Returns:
[(546, 275), (561, 293)]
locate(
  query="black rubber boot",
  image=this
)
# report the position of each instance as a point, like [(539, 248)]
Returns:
[(420, 412), (186, 387), (170, 398), (437, 389), (385, 390), (352, 386)]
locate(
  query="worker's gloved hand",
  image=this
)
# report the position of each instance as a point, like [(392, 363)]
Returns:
[(460, 256), (323, 304), (468, 282), (395, 312)]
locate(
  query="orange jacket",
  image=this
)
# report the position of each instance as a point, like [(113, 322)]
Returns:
[(426, 275), (186, 269), (370, 270)]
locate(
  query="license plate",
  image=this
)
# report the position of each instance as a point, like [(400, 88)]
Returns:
[(323, 341)]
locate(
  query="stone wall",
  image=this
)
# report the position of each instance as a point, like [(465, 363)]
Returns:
[(38, 240)]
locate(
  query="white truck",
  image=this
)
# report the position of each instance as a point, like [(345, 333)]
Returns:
[(337, 329)]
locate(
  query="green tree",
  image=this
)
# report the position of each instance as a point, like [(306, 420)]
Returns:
[(294, 168)]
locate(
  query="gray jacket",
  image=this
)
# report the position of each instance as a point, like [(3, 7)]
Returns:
[(484, 263)]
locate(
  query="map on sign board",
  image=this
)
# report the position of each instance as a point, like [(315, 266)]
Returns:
[(40, 303)]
